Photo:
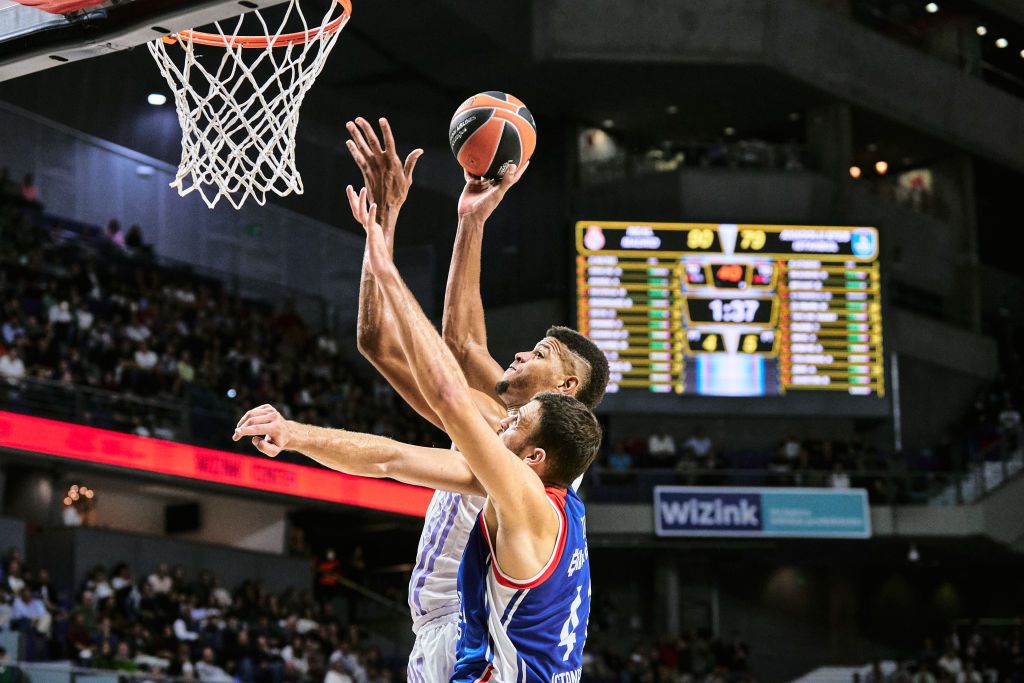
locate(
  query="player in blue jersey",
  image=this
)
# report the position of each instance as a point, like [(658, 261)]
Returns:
[(524, 579)]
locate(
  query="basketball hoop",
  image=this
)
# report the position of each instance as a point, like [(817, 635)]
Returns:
[(239, 115)]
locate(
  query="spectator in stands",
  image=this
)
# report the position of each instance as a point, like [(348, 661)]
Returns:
[(337, 673), (1009, 425), (661, 448), (790, 449), (160, 580), (12, 367), (620, 460), (688, 467), (29, 193), (839, 479), (30, 614), (15, 581), (114, 235), (699, 444), (208, 671), (950, 664), (44, 590), (133, 241)]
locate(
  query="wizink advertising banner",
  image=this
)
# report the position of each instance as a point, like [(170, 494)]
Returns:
[(757, 512)]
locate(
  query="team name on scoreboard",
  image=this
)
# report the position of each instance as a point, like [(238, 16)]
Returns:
[(733, 310)]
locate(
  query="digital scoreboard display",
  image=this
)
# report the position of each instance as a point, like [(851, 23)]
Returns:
[(732, 310)]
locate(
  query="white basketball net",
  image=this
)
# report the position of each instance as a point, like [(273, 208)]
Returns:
[(237, 127)]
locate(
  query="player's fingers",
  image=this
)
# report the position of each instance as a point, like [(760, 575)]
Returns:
[(353, 201), (357, 156), (255, 411), (357, 138), (410, 162), (389, 137), (520, 171), (266, 448), (260, 422), (370, 134), (509, 179), (257, 429), (372, 216)]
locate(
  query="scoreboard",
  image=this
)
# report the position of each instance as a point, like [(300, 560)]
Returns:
[(711, 309)]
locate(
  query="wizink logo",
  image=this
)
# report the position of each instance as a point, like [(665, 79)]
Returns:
[(709, 511)]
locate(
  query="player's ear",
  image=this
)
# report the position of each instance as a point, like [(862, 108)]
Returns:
[(569, 385), (535, 457)]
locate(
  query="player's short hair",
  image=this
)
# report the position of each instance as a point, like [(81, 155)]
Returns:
[(592, 389), (569, 434)]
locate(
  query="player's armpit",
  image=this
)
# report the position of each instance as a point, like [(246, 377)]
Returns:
[(524, 545)]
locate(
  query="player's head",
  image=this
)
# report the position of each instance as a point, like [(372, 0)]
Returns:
[(555, 434), (564, 361)]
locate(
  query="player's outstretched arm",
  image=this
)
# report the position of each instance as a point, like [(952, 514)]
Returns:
[(387, 180), (363, 455), (515, 491), (463, 322)]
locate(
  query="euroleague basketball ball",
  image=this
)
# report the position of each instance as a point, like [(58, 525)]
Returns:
[(490, 132)]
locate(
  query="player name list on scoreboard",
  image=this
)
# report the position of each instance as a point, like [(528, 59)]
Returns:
[(732, 310)]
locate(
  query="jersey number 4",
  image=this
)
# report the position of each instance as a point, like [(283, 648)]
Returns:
[(568, 640)]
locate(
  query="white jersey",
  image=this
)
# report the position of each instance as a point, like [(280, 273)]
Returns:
[(433, 587)]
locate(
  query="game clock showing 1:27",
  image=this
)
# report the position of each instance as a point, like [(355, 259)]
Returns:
[(732, 310)]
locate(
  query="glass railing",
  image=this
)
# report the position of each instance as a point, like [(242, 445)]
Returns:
[(985, 471), (199, 419)]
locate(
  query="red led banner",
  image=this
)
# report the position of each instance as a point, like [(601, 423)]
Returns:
[(101, 446)]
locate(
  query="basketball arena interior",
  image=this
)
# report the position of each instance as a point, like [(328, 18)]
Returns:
[(792, 228)]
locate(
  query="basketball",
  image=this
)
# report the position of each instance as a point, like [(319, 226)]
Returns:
[(491, 131)]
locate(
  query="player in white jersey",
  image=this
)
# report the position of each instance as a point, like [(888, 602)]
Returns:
[(544, 446), (563, 361)]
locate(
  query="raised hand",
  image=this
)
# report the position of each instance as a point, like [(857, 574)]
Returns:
[(267, 427), (385, 176), (365, 213), (480, 197)]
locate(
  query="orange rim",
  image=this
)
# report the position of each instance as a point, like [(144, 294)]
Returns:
[(283, 40)]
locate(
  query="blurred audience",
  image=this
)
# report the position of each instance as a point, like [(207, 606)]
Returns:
[(169, 625)]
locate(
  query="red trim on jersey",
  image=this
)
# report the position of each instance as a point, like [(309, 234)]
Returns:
[(486, 675), (557, 498)]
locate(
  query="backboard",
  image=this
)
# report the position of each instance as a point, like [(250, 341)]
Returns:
[(40, 34)]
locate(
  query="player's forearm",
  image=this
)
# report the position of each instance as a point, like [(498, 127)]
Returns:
[(434, 368), (371, 319), (463, 321), (366, 455), (363, 455)]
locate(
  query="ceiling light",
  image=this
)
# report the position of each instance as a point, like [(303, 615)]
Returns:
[(156, 98), (855, 172), (1002, 42), (882, 167), (981, 30), (729, 130), (607, 123), (672, 109), (931, 8), (912, 554)]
